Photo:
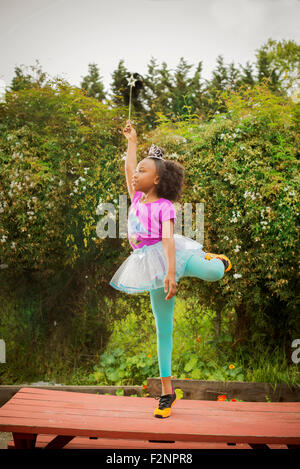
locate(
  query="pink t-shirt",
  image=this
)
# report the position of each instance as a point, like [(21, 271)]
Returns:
[(145, 220)]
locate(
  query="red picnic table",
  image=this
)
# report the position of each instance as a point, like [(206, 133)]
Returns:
[(61, 419)]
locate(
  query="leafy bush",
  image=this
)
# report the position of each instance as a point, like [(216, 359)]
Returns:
[(59, 157), (243, 166), (117, 368)]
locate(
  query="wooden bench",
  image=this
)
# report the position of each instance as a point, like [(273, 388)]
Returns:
[(40, 418)]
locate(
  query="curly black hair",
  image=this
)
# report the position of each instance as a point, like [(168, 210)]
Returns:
[(171, 179)]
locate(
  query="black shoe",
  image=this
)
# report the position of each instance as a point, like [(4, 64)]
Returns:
[(165, 403)]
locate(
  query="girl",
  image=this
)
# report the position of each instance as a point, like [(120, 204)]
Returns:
[(160, 257)]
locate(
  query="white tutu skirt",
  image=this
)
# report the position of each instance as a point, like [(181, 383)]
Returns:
[(146, 268)]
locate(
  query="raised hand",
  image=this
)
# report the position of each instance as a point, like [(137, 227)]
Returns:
[(129, 132)]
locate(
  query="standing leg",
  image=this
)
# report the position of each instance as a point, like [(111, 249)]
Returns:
[(163, 314), (209, 270)]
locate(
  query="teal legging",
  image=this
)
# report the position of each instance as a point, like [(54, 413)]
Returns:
[(209, 270)]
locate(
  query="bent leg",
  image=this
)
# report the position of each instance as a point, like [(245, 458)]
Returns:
[(209, 270), (163, 314)]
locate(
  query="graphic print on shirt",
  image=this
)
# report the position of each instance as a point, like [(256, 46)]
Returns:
[(135, 228)]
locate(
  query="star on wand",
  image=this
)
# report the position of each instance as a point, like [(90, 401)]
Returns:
[(131, 82)]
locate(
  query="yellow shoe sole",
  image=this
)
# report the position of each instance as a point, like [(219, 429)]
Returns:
[(210, 255), (163, 413)]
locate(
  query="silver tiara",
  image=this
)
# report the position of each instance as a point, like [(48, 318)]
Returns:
[(155, 152)]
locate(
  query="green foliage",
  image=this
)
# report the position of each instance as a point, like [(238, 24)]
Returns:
[(57, 157), (129, 363), (243, 166), (279, 61), (116, 368), (92, 83)]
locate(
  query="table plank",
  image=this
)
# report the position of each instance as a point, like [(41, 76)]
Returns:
[(104, 443), (138, 402)]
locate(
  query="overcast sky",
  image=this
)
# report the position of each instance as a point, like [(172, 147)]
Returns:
[(66, 35)]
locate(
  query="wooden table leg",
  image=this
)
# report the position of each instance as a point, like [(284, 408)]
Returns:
[(24, 440), (59, 442), (258, 446)]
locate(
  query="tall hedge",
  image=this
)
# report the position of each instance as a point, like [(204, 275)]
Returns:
[(244, 166), (61, 154), (59, 157)]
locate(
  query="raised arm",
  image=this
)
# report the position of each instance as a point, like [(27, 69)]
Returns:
[(130, 160)]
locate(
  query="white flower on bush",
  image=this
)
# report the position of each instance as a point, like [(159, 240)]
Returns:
[(16, 185), (2, 206), (3, 239), (237, 275), (78, 180), (235, 216), (226, 237), (237, 248), (250, 194), (230, 176), (263, 223), (17, 155)]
